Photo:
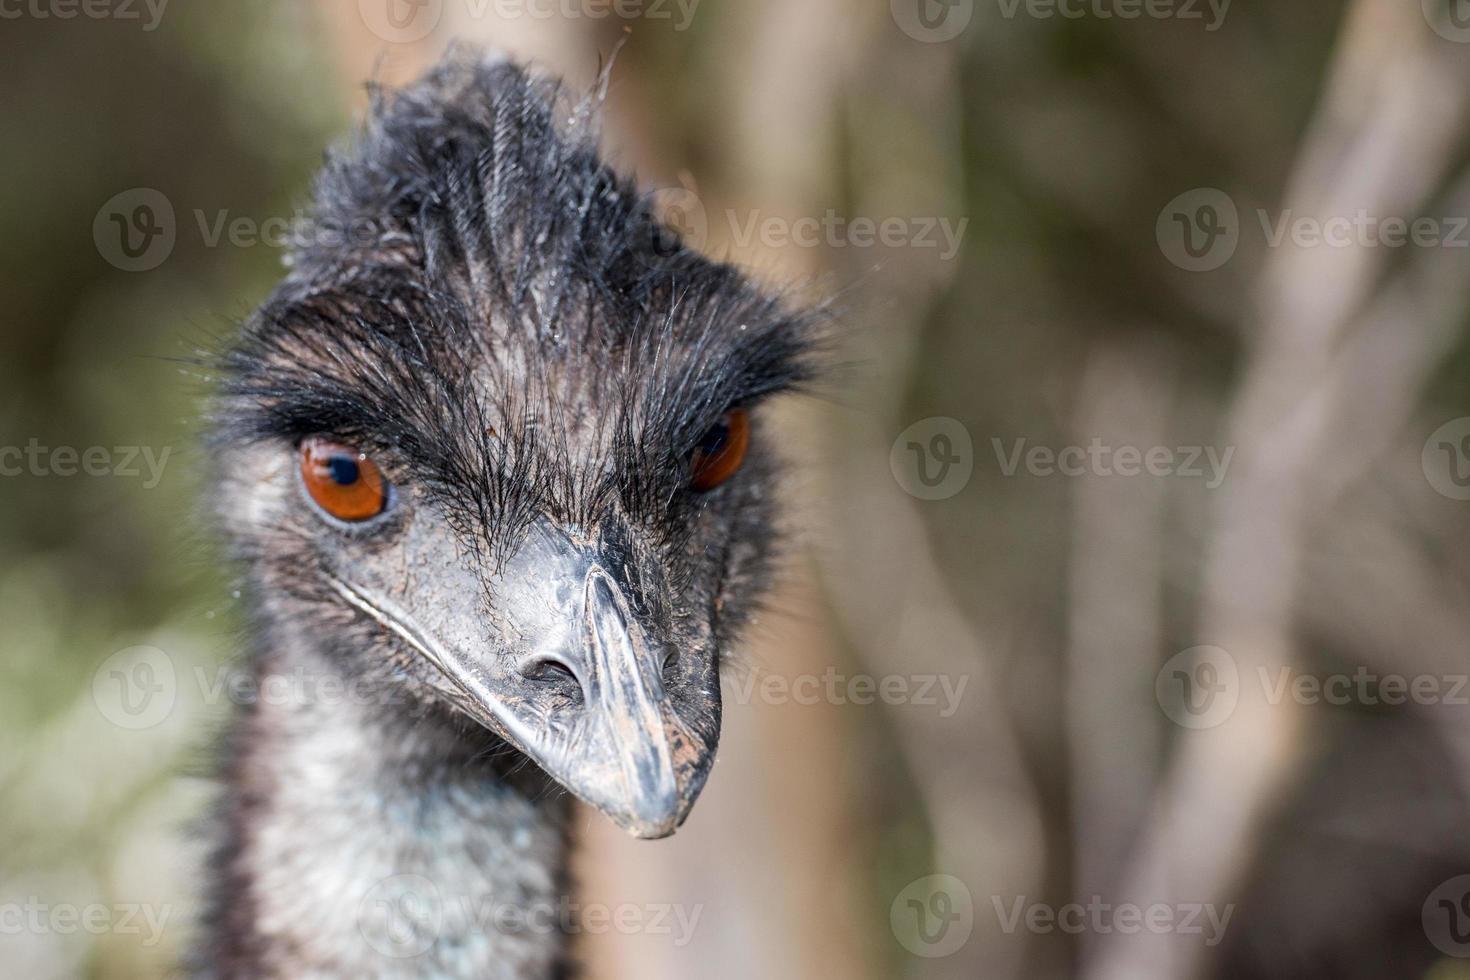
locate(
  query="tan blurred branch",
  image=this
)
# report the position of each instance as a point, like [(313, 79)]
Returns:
[(985, 817), (1382, 137), (1115, 609), (1402, 335), (897, 602)]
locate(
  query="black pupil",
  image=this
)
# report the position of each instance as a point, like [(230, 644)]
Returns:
[(343, 469), (714, 439)]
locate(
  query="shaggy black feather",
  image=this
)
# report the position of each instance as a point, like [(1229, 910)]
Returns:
[(489, 290), (504, 324)]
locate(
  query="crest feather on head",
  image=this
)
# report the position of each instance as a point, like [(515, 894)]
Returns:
[(485, 297)]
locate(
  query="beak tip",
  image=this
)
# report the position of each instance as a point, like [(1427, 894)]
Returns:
[(651, 830), (649, 818)]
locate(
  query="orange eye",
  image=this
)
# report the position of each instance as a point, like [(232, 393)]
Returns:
[(342, 481), (721, 450)]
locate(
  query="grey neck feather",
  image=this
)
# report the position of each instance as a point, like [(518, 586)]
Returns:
[(363, 839)]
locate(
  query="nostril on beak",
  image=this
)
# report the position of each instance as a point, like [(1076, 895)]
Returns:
[(547, 669)]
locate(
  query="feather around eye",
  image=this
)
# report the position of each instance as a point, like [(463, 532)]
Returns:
[(720, 451), (343, 482)]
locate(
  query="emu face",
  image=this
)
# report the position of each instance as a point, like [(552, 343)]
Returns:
[(492, 448)]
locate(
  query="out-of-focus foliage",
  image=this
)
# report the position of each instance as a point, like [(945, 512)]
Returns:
[(1054, 143)]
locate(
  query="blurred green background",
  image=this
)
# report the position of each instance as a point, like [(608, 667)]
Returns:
[(1060, 148)]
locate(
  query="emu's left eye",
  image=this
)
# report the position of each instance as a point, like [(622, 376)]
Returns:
[(721, 450), (344, 482)]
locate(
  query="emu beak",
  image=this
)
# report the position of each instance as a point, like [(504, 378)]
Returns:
[(612, 724), (626, 712), (589, 689)]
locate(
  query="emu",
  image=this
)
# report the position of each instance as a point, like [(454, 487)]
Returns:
[(489, 460)]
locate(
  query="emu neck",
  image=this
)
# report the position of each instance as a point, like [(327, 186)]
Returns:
[(364, 839)]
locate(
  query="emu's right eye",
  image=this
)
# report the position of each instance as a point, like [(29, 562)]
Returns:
[(721, 450), (342, 481)]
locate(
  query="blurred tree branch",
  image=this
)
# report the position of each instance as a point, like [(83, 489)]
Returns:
[(1390, 119)]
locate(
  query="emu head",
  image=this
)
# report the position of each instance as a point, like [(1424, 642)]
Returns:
[(493, 446)]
